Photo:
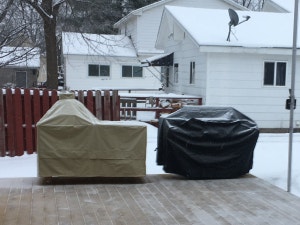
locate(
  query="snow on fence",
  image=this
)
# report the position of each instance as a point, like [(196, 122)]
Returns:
[(21, 109)]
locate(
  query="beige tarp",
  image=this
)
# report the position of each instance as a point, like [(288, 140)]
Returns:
[(71, 142)]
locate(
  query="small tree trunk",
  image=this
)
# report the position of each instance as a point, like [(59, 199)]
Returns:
[(51, 53)]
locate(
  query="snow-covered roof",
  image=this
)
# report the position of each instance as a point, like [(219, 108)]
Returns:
[(96, 44), (163, 2), (261, 30), (286, 4), (20, 57)]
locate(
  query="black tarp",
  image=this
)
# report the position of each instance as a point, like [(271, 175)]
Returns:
[(205, 142), (160, 60)]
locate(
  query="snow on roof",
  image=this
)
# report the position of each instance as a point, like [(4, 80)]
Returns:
[(286, 4), (20, 56), (261, 30), (97, 44), (159, 3)]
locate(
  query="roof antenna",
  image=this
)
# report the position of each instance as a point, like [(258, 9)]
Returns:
[(234, 21)]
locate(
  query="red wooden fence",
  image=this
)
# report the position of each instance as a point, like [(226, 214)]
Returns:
[(21, 109)]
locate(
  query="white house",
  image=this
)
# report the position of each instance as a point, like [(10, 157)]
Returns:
[(251, 72), (142, 25), (104, 62)]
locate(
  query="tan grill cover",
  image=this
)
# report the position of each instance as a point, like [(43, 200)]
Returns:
[(72, 142)]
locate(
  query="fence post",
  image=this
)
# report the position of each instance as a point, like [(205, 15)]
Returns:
[(116, 105), (2, 126), (10, 123), (107, 105), (45, 101), (90, 101), (54, 97), (81, 96), (19, 138), (36, 112), (28, 122), (98, 105)]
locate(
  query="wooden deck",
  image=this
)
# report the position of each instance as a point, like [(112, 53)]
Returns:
[(155, 199)]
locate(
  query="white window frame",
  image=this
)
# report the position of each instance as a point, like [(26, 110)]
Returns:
[(99, 70), (275, 74), (132, 71)]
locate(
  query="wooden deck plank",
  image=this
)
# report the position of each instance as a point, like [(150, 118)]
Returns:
[(156, 199)]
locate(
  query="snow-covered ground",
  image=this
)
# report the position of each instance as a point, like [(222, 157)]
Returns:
[(270, 160)]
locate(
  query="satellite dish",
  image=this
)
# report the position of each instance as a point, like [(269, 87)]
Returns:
[(234, 20), (234, 17)]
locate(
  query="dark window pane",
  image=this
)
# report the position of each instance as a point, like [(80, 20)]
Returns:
[(127, 71), (93, 70), (192, 72), (269, 73), (21, 79), (176, 72), (104, 71), (281, 74), (137, 71)]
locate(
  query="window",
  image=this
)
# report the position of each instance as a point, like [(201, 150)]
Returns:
[(99, 70), (176, 73), (132, 71), (275, 73), (192, 72)]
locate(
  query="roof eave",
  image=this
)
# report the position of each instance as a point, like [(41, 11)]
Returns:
[(139, 11), (245, 49)]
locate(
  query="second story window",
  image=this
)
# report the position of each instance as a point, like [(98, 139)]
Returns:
[(132, 71), (99, 70)]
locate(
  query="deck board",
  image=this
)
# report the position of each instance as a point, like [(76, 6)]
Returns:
[(155, 199)]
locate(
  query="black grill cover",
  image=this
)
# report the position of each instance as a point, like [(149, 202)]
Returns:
[(205, 142)]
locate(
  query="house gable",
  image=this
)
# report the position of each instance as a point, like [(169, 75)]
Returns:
[(142, 24), (212, 28)]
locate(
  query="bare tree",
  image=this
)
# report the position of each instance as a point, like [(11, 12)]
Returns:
[(14, 48), (255, 5), (48, 10)]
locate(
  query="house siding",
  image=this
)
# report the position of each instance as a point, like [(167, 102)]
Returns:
[(237, 80), (184, 53), (77, 74)]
